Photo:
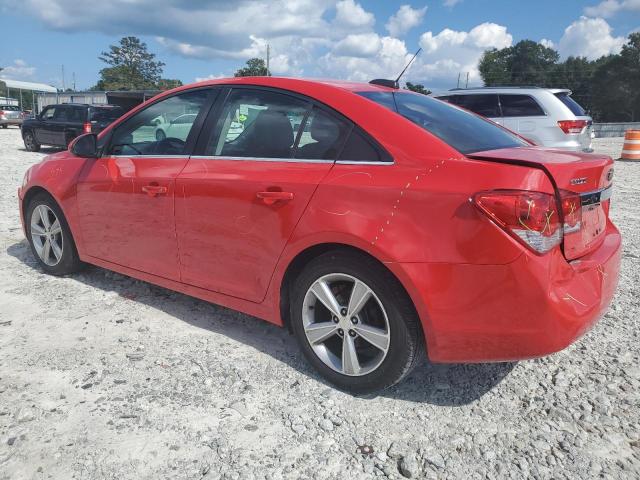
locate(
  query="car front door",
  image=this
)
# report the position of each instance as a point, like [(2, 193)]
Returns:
[(126, 197), (44, 131), (238, 202)]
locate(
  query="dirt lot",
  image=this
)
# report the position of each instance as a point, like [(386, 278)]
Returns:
[(102, 376)]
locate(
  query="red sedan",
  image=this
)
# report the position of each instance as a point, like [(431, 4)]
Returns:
[(372, 222)]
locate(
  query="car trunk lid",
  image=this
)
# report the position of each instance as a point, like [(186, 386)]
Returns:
[(583, 183)]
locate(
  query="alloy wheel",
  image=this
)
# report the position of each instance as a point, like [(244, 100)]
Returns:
[(46, 234), (28, 140), (346, 324)]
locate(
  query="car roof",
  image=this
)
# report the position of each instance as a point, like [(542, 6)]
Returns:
[(284, 82), (514, 90)]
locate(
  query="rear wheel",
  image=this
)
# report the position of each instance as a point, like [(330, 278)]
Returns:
[(50, 237), (4, 125), (354, 322), (30, 142)]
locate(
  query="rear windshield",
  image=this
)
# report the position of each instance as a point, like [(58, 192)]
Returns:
[(574, 106), (464, 131), (106, 114), (12, 108)]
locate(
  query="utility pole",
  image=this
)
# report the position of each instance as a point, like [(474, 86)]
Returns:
[(63, 89), (74, 81), (268, 72), (467, 84), (458, 84)]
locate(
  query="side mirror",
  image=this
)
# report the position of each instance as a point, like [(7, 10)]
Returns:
[(85, 146)]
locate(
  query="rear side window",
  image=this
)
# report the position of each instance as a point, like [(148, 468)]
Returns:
[(106, 114), (258, 124), (8, 108), (359, 149), (322, 136), (520, 106), (464, 131), (574, 106), (485, 105)]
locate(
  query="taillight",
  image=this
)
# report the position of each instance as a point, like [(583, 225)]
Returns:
[(86, 128), (532, 217), (572, 126)]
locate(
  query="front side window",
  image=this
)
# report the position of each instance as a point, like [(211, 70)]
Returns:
[(462, 130), (258, 124), (154, 130), (520, 106), (48, 113)]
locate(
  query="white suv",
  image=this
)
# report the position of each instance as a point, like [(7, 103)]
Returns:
[(547, 116)]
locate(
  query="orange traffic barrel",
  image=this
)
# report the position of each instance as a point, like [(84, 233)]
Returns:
[(631, 147)]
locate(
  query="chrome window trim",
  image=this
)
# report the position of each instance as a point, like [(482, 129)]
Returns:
[(256, 159)]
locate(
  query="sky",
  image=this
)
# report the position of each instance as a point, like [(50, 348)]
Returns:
[(345, 39)]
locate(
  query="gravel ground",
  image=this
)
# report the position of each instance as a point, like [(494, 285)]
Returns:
[(102, 376)]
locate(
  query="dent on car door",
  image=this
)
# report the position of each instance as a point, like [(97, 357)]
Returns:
[(238, 202), (126, 197)]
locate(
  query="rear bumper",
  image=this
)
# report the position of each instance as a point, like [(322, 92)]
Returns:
[(531, 307), (11, 121)]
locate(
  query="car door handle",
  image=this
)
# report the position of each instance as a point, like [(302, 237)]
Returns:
[(153, 190), (270, 198)]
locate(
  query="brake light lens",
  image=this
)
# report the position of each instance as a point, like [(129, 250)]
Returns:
[(86, 128), (572, 126), (532, 218)]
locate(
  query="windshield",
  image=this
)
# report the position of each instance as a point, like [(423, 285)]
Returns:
[(10, 108), (574, 106), (464, 131)]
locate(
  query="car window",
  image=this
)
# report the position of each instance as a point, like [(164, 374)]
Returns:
[(76, 114), (188, 118), (574, 106), (464, 131), (102, 114), (48, 113), (146, 132), (257, 124), (483, 104), (11, 108), (359, 149), (520, 106), (61, 114), (322, 136)]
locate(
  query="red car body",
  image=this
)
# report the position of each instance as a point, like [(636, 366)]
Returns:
[(481, 294)]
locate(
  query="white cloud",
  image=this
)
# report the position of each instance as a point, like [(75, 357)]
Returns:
[(608, 8), (589, 37), (451, 3), (350, 13), (359, 45), (451, 52), (404, 20), (19, 70), (212, 76), (548, 43)]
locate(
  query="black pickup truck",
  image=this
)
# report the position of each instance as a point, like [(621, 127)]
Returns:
[(57, 125)]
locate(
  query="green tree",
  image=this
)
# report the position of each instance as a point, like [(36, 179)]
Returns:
[(525, 63), (168, 84), (417, 87), (255, 68), (131, 67)]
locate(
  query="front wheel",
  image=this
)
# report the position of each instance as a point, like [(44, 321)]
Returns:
[(30, 142), (50, 237), (354, 322)]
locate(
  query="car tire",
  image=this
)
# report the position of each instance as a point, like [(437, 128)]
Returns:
[(30, 143), (160, 135), (387, 317), (5, 126), (50, 237)]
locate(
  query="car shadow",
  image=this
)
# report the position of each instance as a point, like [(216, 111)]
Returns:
[(436, 384)]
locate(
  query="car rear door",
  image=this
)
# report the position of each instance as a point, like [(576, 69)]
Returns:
[(238, 201), (523, 115), (126, 197), (485, 104)]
